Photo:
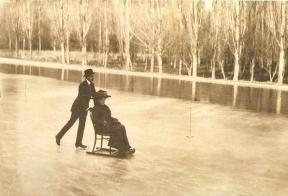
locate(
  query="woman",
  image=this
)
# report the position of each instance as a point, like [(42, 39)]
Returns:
[(105, 122)]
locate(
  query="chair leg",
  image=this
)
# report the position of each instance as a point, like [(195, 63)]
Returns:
[(94, 143), (101, 141), (110, 150)]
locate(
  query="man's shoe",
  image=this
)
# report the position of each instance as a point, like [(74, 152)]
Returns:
[(133, 150), (81, 146), (57, 140)]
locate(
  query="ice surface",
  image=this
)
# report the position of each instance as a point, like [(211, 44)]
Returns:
[(230, 152)]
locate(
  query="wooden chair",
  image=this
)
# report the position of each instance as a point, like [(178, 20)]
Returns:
[(104, 135)]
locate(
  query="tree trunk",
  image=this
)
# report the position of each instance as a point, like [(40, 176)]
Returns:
[(281, 64), (106, 59), (63, 51), (175, 63), (261, 38), (100, 41), (10, 43), (106, 46), (67, 47), (189, 69), (62, 35), (237, 44), (54, 45), (159, 55), (282, 44), (213, 70), (252, 71), (127, 35), (236, 66), (180, 68), (16, 47), (84, 53), (193, 30), (152, 61), (159, 40), (39, 26), (160, 67), (30, 47), (222, 70), (194, 64), (23, 43), (146, 60), (30, 26)]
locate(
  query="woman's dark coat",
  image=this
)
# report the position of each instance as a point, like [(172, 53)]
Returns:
[(103, 121)]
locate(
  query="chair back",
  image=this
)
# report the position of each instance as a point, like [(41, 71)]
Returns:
[(92, 119), (96, 130)]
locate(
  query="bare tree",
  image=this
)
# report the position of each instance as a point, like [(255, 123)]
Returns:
[(122, 18), (159, 38), (192, 18), (277, 23), (39, 21), (59, 17), (118, 21), (15, 11), (106, 36), (236, 23), (260, 45), (68, 29), (177, 34), (83, 25), (216, 39), (28, 23), (143, 27), (7, 23), (127, 34), (100, 39), (50, 21), (151, 28)]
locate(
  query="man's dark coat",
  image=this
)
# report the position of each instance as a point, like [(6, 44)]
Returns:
[(85, 93)]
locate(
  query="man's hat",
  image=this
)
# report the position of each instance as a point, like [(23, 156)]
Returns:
[(101, 93), (88, 72)]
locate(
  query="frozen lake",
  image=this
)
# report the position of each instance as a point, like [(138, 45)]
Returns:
[(259, 97), (229, 151)]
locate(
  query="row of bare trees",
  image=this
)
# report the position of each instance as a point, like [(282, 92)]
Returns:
[(234, 39)]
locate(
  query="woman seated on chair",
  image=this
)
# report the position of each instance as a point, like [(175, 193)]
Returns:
[(103, 121)]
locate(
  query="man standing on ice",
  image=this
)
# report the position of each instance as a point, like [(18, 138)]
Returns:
[(79, 109)]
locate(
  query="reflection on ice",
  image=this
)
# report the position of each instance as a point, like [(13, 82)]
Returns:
[(278, 103), (235, 93), (256, 99)]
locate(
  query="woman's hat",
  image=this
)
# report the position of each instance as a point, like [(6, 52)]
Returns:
[(88, 72), (101, 94)]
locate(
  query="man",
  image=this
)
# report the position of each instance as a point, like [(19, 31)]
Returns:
[(105, 122), (79, 109)]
